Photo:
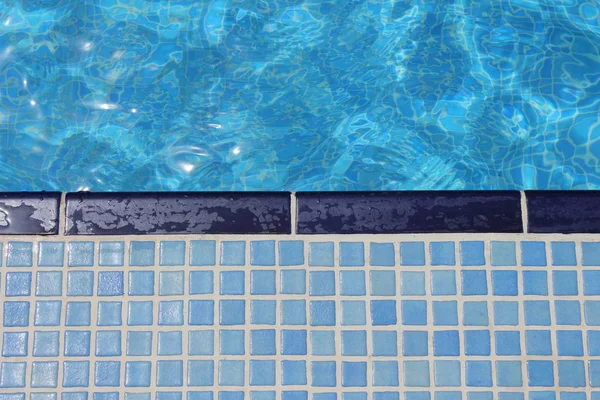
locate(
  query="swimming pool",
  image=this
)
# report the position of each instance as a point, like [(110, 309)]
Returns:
[(113, 95)]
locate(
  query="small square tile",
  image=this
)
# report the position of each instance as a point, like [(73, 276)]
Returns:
[(76, 373), (112, 254), (14, 344), (411, 283), (141, 283), (474, 282), (138, 373), (78, 313), (382, 255), (385, 373), (293, 281), (171, 283), (44, 374), (508, 343), (571, 373), (80, 283), (107, 373), (12, 374), (262, 372), (442, 253), (412, 253), (445, 313), (293, 372), (354, 374), (232, 283), (262, 341), (563, 254), (385, 343), (537, 312), (472, 253), (416, 373), (51, 254), (352, 254), (200, 373), (81, 254), (48, 283), (383, 283), (46, 344), (354, 343), (172, 253), (77, 343), (108, 343), (139, 313), (170, 313), (262, 252), (352, 283), (169, 373), (322, 283), (323, 343), (503, 254), (323, 373), (591, 282), (592, 312), (141, 253), (538, 343), (17, 284), (293, 312), (293, 342), (446, 343), (231, 342), (109, 313), (443, 283), (593, 342), (353, 313), (569, 343), (477, 343), (263, 312), (233, 253), (535, 283), (291, 252), (322, 313), (415, 343), (47, 313), (594, 373), (414, 312), (475, 313), (506, 313), (320, 254), (564, 283), (533, 254), (170, 343), (383, 312), (262, 282), (201, 343), (16, 313), (110, 283), (505, 283), (478, 373), (232, 312), (447, 373), (203, 253), (509, 374), (231, 373), (201, 282), (590, 254)]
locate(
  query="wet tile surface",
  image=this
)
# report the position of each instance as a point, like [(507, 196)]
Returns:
[(29, 213), (408, 212), (177, 213), (563, 211)]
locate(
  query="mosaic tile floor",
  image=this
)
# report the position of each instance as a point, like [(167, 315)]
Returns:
[(382, 317)]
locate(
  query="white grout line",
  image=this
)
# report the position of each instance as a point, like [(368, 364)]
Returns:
[(524, 212), (293, 212)]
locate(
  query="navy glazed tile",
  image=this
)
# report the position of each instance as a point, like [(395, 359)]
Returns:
[(177, 213), (409, 212), (563, 211), (29, 213)]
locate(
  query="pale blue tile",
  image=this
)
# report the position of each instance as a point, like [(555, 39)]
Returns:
[(171, 283), (415, 343), (169, 373), (263, 312), (412, 253), (416, 373), (323, 373), (592, 312), (19, 254), (563, 254), (233, 253), (352, 254), (322, 343), (411, 283), (170, 343), (201, 282), (81, 254), (533, 254), (477, 342), (535, 283), (478, 373), (47, 313), (591, 282), (291, 252), (293, 281), (472, 253), (170, 313), (354, 343), (503, 254), (385, 373), (109, 313), (139, 313), (442, 253), (50, 254), (12, 374), (138, 374), (200, 373), (141, 253), (443, 283), (141, 283), (77, 343), (14, 344), (110, 283), (414, 312), (353, 313), (262, 341), (385, 343), (538, 343), (48, 283), (447, 373), (262, 252), (201, 343), (203, 253), (293, 342), (475, 313), (76, 374), (232, 282), (322, 313), (80, 283), (382, 254), (354, 374), (78, 313), (112, 254), (16, 313), (262, 372), (506, 313), (322, 283), (383, 283), (571, 373), (108, 343), (231, 373), (293, 372), (46, 344), (262, 282), (293, 312), (172, 253), (17, 284), (590, 254), (232, 312), (537, 313), (564, 283), (352, 283), (231, 342), (320, 254), (445, 313), (509, 374)]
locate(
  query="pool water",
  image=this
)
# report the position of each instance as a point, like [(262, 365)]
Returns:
[(113, 95)]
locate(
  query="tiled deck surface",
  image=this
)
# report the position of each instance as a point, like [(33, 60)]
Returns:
[(262, 297)]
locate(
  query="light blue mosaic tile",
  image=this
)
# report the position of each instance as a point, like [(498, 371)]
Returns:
[(172, 253), (503, 254), (233, 253), (442, 253), (19, 254), (320, 254), (141, 253), (262, 252), (382, 255), (203, 253), (50, 254), (111, 254), (533, 254), (291, 252), (563, 254), (352, 254), (81, 254), (412, 253), (590, 254)]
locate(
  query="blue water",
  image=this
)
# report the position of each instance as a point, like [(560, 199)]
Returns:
[(299, 94)]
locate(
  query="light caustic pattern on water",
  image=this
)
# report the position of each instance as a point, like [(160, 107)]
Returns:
[(299, 94)]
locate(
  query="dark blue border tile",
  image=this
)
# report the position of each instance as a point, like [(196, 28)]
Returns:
[(409, 212), (177, 213), (563, 211), (29, 213)]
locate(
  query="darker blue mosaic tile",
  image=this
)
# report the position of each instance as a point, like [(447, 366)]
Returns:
[(182, 213), (408, 212)]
